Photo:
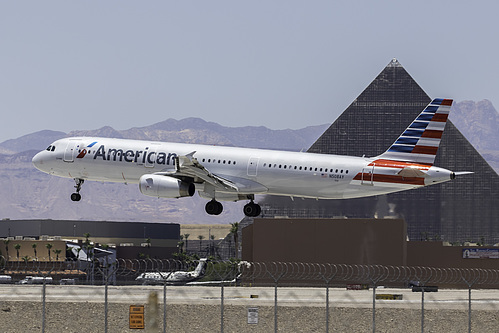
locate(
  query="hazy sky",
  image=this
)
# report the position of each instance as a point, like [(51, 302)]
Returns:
[(68, 65)]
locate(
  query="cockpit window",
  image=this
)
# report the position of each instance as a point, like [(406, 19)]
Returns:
[(53, 148), (49, 148)]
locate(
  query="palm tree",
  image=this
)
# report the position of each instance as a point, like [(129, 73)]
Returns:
[(180, 246), (234, 231), (49, 246), (34, 249), (57, 252), (88, 247), (186, 237), (7, 241), (17, 247), (200, 237), (78, 250), (212, 246)]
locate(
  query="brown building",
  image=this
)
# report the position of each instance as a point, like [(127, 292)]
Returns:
[(342, 241), (355, 242)]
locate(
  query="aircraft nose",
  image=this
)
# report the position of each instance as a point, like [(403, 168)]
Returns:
[(38, 160)]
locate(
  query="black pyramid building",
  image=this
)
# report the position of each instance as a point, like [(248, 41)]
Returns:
[(465, 209)]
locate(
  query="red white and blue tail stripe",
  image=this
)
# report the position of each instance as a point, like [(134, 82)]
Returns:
[(419, 142)]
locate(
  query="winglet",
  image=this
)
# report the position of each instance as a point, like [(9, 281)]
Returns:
[(420, 141)]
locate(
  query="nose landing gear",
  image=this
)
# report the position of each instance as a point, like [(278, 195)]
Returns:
[(77, 196)]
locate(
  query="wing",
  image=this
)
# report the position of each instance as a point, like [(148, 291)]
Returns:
[(189, 166)]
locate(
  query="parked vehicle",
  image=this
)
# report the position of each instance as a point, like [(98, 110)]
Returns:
[(5, 279), (36, 280), (67, 282)]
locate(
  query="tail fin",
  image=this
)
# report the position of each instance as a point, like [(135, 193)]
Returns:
[(419, 142), (200, 269)]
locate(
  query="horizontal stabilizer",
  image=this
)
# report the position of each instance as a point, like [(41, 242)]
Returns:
[(411, 172)]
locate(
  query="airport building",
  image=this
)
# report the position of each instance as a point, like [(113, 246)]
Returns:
[(465, 209), (130, 239)]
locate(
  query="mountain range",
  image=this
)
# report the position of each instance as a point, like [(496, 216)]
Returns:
[(26, 193)]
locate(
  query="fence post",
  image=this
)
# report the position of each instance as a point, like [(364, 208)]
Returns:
[(164, 307), (44, 286), (276, 277), (469, 284), (107, 270), (43, 305), (327, 279), (222, 307)]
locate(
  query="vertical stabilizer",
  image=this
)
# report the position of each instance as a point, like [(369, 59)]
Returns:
[(420, 141)]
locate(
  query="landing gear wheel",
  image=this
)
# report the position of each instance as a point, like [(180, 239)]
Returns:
[(214, 207), (76, 196), (252, 209)]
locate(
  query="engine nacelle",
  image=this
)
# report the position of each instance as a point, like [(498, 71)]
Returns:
[(165, 187)]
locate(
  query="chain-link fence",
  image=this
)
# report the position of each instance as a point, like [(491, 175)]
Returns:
[(282, 296)]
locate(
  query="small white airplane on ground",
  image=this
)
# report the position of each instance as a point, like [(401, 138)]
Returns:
[(178, 277), (174, 170)]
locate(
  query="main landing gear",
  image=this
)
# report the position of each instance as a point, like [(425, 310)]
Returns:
[(251, 209), (77, 196), (214, 207)]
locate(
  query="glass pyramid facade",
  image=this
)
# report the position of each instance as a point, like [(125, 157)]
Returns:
[(465, 209)]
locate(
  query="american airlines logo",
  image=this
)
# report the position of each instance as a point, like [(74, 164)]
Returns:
[(135, 156), (83, 152)]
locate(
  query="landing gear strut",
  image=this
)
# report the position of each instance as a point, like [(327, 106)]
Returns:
[(214, 207), (252, 209), (77, 196)]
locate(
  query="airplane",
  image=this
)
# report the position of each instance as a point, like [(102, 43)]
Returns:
[(177, 277), (218, 173)]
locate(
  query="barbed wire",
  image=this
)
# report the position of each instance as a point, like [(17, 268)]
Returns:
[(254, 273)]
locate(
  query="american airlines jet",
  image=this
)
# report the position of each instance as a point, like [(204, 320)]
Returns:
[(175, 170)]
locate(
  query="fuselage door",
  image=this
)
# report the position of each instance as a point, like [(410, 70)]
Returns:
[(368, 175), (70, 151), (253, 166)]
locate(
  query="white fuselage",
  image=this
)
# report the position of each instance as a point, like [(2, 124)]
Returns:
[(258, 171)]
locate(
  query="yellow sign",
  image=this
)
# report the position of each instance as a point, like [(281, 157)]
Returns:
[(137, 317)]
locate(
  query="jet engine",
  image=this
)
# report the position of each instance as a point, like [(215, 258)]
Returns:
[(165, 187)]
